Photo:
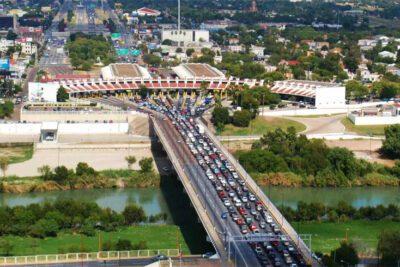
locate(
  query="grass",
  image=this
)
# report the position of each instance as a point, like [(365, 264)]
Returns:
[(17, 153), (327, 236), (261, 126), (156, 236), (375, 130)]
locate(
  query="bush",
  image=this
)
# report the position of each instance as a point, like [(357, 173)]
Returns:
[(146, 164), (388, 247), (242, 118), (123, 244), (133, 214)]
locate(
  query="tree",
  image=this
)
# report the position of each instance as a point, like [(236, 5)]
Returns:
[(133, 214), (345, 253), (189, 52), (45, 172), (44, 228), (86, 66), (62, 94), (61, 175), (354, 89), (167, 42), (11, 35), (388, 247), (391, 144), (143, 91), (146, 164), (130, 160), (4, 165), (242, 118), (179, 50), (220, 115)]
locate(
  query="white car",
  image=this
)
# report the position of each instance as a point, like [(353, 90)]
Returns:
[(227, 203)]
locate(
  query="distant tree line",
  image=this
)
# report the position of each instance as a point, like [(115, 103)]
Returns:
[(48, 219), (341, 212)]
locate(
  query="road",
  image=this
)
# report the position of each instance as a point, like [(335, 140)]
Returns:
[(322, 125)]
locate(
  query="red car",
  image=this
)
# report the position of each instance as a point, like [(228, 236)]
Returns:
[(239, 221), (221, 194), (242, 210), (253, 226)]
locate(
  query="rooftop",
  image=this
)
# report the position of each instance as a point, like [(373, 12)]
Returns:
[(193, 70)]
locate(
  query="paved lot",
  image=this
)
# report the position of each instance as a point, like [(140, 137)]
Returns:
[(322, 124)]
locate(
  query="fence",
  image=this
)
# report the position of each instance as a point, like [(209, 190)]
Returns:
[(84, 257)]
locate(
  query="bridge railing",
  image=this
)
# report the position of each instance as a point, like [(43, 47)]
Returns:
[(275, 213), (84, 257)]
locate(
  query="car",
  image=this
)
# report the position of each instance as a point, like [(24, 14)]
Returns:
[(207, 255), (159, 257), (243, 229), (258, 250), (227, 203)]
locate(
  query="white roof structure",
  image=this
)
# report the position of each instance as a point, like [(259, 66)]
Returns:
[(197, 70), (124, 70), (325, 94), (299, 88)]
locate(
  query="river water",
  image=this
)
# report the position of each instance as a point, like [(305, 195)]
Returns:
[(153, 200)]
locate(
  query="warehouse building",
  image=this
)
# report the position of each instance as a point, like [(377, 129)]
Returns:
[(321, 94), (185, 37)]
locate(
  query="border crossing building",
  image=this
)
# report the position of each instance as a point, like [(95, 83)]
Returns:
[(321, 94)]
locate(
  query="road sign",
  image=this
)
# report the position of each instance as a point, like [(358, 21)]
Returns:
[(5, 64), (123, 51), (115, 36), (135, 52)]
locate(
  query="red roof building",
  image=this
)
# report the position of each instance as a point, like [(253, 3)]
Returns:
[(145, 11)]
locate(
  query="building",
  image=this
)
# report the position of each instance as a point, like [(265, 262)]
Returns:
[(27, 46), (5, 44), (215, 25), (257, 50), (197, 70), (43, 91), (144, 11), (321, 94), (8, 22), (124, 70), (387, 54), (185, 37)]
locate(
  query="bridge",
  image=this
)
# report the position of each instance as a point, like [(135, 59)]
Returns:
[(224, 233)]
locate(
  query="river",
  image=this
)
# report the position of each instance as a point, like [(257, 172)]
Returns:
[(153, 200)]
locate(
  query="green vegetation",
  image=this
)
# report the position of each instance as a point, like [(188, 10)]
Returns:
[(391, 144), (85, 50), (341, 212), (388, 247), (155, 236), (6, 109), (283, 158), (49, 219), (327, 236), (347, 252), (83, 177), (375, 130), (16, 153), (261, 126), (62, 95)]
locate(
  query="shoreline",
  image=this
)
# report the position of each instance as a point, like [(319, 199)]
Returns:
[(137, 179)]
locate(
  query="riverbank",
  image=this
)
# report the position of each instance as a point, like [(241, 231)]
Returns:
[(105, 179), (289, 179), (155, 236), (327, 236)]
